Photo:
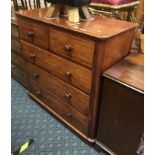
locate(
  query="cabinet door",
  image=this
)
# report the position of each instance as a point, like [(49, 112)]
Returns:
[(121, 118)]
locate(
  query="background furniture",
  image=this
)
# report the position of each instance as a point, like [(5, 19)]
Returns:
[(64, 63), (120, 11), (121, 118), (17, 62)]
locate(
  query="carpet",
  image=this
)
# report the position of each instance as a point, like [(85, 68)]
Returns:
[(29, 120)]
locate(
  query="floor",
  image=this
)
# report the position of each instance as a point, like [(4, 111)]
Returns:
[(29, 120)]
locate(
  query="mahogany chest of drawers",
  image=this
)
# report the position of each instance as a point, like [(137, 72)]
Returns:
[(17, 61), (64, 63), (121, 118)]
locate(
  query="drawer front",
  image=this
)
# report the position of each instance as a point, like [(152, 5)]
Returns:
[(66, 92), (76, 75), (18, 60), (14, 31), (74, 48), (34, 33), (15, 46), (18, 73), (71, 115)]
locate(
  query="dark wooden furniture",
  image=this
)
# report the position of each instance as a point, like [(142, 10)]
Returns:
[(65, 61), (17, 62), (121, 118)]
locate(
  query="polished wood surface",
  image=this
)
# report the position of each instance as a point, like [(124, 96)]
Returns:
[(68, 113), (34, 33), (66, 92), (121, 119), (76, 75), (102, 29), (96, 45), (75, 48), (129, 71)]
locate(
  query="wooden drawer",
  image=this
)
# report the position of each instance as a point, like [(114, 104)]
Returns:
[(18, 60), (66, 92), (75, 48), (18, 73), (34, 33), (76, 75), (15, 45), (14, 31), (65, 111)]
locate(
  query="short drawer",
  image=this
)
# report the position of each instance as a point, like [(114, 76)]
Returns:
[(14, 31), (34, 33), (18, 60), (75, 48), (75, 75), (15, 46), (63, 110), (65, 91)]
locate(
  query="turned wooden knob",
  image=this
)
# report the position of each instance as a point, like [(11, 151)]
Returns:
[(68, 74), (32, 56), (69, 115), (68, 95), (38, 93), (36, 75), (13, 66), (68, 48), (30, 33)]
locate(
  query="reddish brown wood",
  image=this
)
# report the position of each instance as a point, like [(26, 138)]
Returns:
[(34, 33), (129, 71), (121, 120), (66, 92), (103, 28), (80, 76), (75, 48), (68, 113), (98, 44)]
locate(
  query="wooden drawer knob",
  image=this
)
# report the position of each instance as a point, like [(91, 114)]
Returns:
[(68, 48), (38, 93), (13, 66), (30, 33), (68, 95), (69, 115), (36, 75), (68, 74), (32, 56)]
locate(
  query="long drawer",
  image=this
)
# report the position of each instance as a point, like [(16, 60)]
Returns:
[(34, 32), (76, 75), (66, 92), (75, 48), (65, 111)]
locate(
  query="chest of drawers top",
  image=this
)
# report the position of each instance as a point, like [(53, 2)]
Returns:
[(97, 28)]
